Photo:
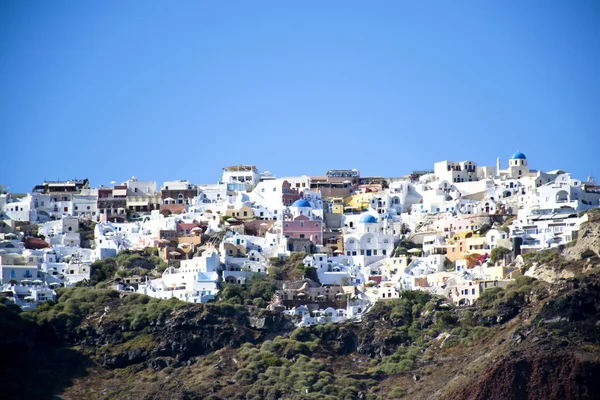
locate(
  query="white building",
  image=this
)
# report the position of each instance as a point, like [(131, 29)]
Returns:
[(240, 177), (338, 270), (452, 171), (420, 267), (195, 281), (141, 188), (371, 241), (17, 209)]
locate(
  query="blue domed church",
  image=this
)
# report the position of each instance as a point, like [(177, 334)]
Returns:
[(371, 241), (517, 167)]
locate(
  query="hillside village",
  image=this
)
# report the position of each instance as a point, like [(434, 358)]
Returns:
[(351, 240)]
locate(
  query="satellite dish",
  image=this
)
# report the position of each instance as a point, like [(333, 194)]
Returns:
[(113, 182)]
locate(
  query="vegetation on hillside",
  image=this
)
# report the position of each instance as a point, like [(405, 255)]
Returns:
[(127, 263), (291, 268), (257, 291), (416, 346)]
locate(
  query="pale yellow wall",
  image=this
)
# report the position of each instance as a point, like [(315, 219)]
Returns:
[(360, 201)]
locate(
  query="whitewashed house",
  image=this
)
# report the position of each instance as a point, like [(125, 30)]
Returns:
[(195, 281)]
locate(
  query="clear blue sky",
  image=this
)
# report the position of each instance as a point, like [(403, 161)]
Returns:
[(176, 90)]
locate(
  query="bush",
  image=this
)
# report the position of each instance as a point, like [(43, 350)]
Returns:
[(102, 270), (451, 342), (444, 319), (245, 376), (498, 254), (260, 287), (260, 303), (489, 296), (398, 393)]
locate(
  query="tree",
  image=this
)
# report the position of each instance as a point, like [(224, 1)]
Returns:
[(260, 303), (103, 270), (498, 254), (232, 294), (261, 289), (311, 273)]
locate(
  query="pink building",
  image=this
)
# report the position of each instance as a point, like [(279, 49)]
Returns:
[(298, 223), (302, 227), (184, 228)]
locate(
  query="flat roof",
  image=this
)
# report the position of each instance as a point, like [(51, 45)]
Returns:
[(237, 168)]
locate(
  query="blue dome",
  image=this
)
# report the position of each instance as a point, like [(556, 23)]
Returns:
[(518, 156), (367, 219), (301, 203)]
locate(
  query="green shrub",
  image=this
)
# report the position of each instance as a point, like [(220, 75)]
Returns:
[(451, 342), (498, 254), (398, 393), (587, 253), (245, 376), (260, 303), (489, 296), (271, 360)]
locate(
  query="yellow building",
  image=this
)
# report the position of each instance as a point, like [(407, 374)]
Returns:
[(337, 208), (244, 213), (465, 244), (358, 202)]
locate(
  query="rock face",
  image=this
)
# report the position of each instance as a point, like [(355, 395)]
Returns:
[(588, 237), (537, 376), (552, 355), (547, 274), (185, 334)]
